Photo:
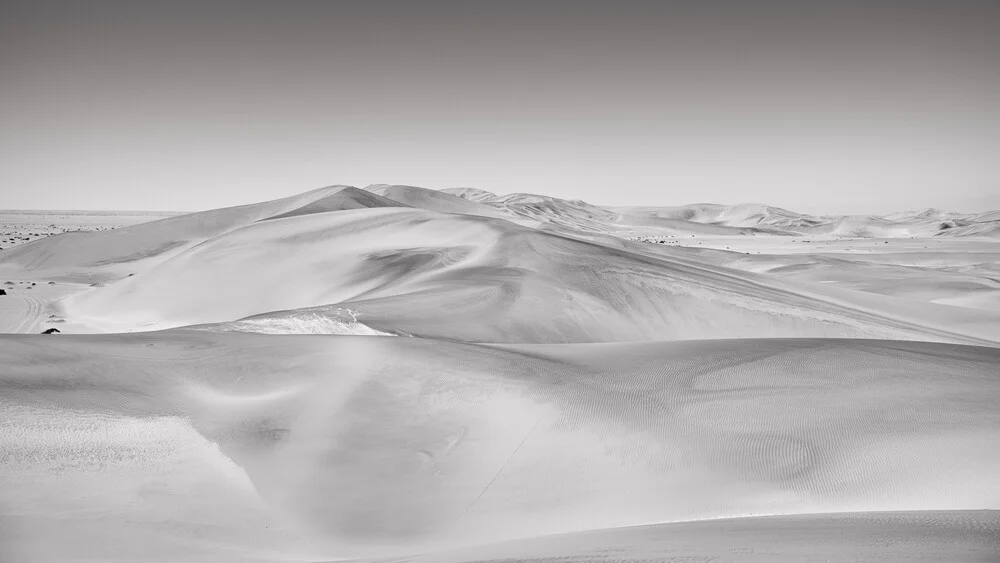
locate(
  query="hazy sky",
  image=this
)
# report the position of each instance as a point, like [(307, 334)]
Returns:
[(818, 106)]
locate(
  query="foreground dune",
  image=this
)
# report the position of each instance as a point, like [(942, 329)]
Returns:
[(858, 537), (236, 446)]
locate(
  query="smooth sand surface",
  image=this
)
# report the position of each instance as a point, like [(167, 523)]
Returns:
[(959, 271), (20, 226), (364, 445), (416, 375), (929, 536), (31, 307), (424, 273)]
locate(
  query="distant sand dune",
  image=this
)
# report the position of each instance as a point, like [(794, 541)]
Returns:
[(127, 245), (480, 279), (433, 200), (774, 220)]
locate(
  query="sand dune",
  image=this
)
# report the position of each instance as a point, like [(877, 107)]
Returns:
[(697, 219), (873, 536), (402, 373), (756, 218), (575, 219), (927, 284), (575, 215), (473, 194), (478, 279), (989, 228), (433, 200), (119, 250), (342, 200), (926, 213), (351, 445), (951, 271), (20, 226), (113, 253)]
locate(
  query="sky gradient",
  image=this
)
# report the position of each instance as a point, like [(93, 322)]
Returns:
[(821, 107)]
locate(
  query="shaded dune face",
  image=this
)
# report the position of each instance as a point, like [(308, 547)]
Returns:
[(441, 202), (342, 200), (471, 278), (385, 443)]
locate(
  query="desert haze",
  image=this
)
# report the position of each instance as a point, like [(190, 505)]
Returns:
[(403, 374)]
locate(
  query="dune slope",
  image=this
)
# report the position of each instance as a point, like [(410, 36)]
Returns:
[(351, 445), (433, 200), (125, 249), (415, 375), (904, 537), (480, 279)]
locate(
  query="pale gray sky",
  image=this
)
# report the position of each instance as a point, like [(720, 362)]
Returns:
[(817, 106)]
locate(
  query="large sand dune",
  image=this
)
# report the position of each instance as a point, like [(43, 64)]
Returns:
[(115, 250), (351, 445), (480, 279), (403, 373)]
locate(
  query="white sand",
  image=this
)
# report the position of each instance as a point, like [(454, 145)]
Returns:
[(456, 276), (902, 537), (19, 226), (368, 445), (393, 371)]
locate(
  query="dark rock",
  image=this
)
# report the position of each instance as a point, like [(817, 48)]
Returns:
[(50, 331)]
